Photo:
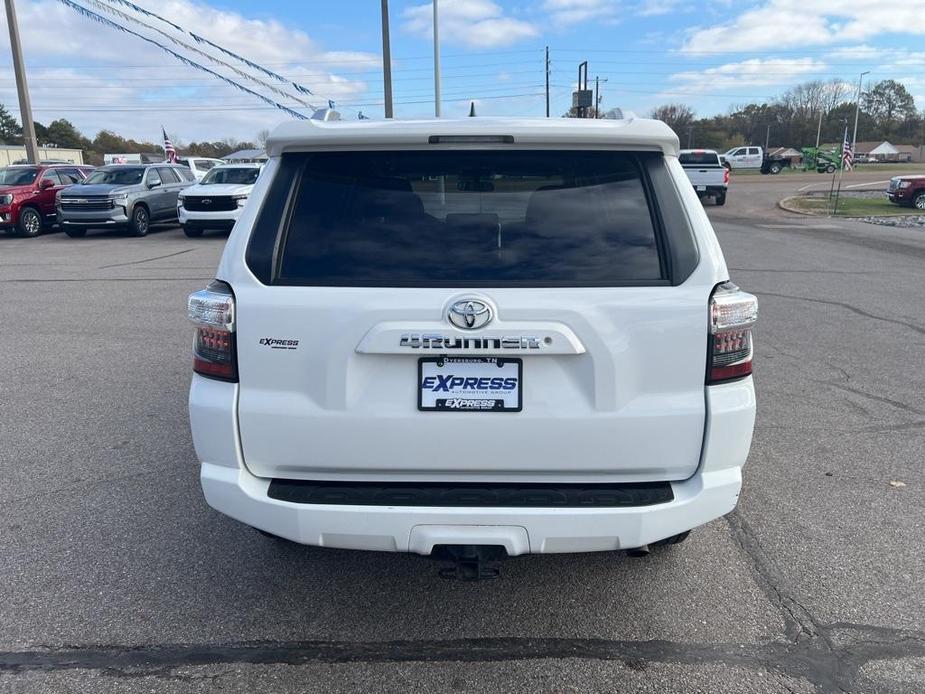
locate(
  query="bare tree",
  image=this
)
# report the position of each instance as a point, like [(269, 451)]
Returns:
[(262, 138), (678, 117)]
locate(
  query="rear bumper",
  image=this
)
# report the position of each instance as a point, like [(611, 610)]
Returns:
[(707, 191), (710, 493), (698, 500)]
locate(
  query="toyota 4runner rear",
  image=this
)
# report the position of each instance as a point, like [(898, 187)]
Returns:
[(518, 334)]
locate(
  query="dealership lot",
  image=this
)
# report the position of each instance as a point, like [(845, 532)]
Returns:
[(117, 577)]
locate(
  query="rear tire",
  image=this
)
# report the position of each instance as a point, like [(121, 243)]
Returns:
[(830, 168), (192, 232), (140, 222), (720, 200), (30, 222), (918, 202), (75, 233)]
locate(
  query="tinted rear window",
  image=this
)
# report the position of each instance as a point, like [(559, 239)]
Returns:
[(699, 158), (470, 218)]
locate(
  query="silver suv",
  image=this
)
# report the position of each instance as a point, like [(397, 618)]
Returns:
[(123, 196)]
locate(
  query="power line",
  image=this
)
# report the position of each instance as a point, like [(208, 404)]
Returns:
[(108, 22), (270, 108)]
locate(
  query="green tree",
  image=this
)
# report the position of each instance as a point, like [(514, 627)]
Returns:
[(889, 103), (10, 130), (62, 133), (107, 141)]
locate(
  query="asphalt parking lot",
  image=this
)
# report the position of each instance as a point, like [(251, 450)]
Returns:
[(116, 577)]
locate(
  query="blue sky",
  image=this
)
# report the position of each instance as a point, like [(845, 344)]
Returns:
[(709, 55)]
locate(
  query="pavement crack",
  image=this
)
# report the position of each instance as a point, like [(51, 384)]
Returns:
[(146, 260), (854, 309), (798, 621), (828, 668), (811, 272), (878, 398), (107, 279)]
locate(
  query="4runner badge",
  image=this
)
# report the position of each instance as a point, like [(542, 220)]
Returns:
[(469, 314)]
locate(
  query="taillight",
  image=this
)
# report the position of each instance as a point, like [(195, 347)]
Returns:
[(732, 315), (725, 176), (214, 351)]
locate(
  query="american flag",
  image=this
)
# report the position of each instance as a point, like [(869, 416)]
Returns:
[(169, 148), (847, 153)]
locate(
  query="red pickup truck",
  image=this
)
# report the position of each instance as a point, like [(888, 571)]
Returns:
[(27, 195)]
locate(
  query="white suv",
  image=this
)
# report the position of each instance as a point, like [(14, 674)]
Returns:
[(218, 199), (467, 334), (200, 166)]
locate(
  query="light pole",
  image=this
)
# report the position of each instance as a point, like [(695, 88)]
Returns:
[(386, 60), (22, 88), (857, 112), (767, 138), (819, 128), (436, 62)]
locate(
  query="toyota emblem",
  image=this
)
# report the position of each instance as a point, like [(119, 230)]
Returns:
[(469, 314)]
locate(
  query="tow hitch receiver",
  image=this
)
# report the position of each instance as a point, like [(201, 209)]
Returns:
[(470, 562)]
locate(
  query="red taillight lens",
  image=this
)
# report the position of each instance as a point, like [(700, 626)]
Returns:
[(214, 348), (732, 315), (725, 176), (214, 354)]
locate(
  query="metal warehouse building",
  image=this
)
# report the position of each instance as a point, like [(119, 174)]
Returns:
[(10, 154)]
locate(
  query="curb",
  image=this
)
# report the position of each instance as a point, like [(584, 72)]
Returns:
[(782, 204)]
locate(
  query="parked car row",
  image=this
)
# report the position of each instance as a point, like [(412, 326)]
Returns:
[(128, 197)]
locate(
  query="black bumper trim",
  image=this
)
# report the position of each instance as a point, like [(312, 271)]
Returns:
[(471, 495)]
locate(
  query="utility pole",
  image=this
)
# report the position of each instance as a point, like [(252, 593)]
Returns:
[(436, 62), (547, 81), (690, 136), (767, 139), (386, 60), (22, 88), (857, 112), (597, 99)]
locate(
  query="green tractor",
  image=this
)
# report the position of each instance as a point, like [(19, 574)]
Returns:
[(822, 159)]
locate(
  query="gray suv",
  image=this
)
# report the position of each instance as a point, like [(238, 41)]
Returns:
[(123, 196)]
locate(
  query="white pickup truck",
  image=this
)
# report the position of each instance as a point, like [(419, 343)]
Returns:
[(744, 157), (706, 173)]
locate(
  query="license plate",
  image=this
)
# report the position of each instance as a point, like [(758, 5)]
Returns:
[(470, 384), (700, 188)]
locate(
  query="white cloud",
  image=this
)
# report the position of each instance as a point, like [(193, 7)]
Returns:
[(747, 73), (102, 73), (778, 24), (654, 8), (472, 23), (568, 12), (861, 52)]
